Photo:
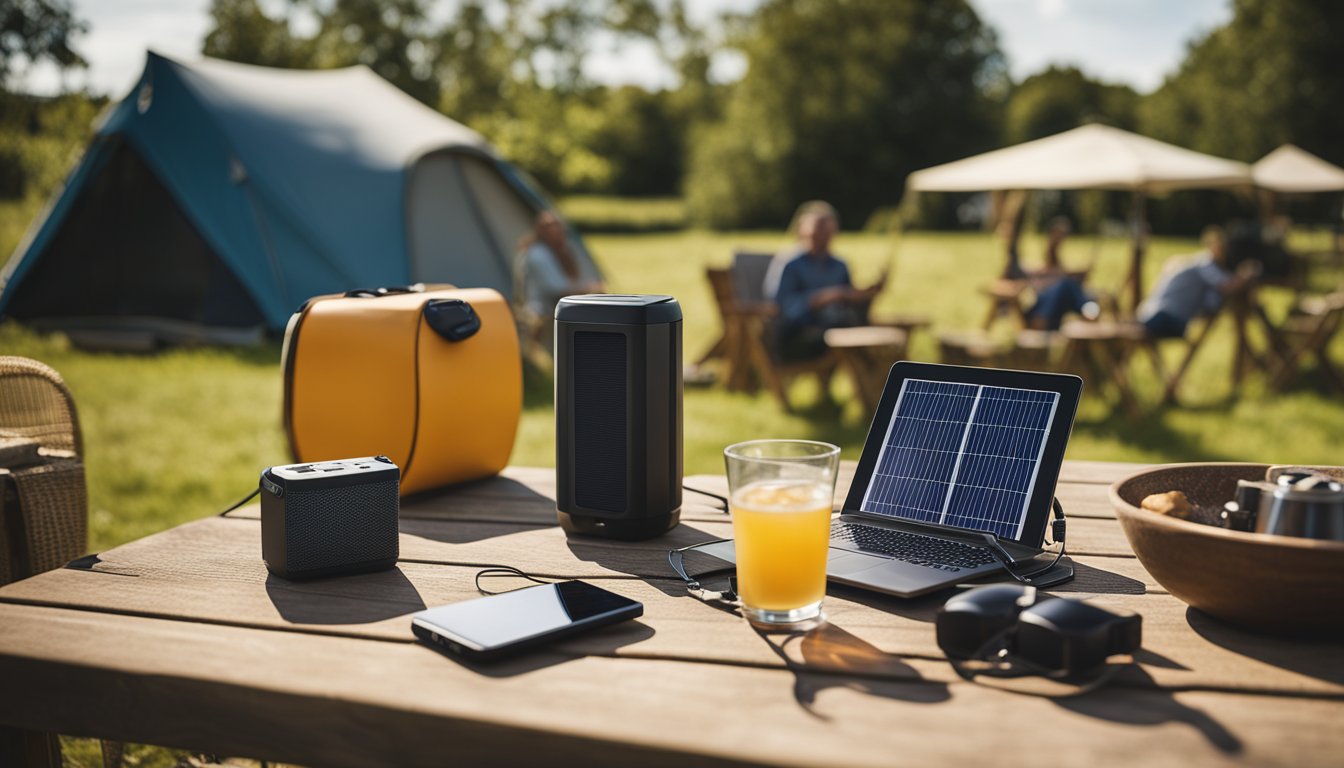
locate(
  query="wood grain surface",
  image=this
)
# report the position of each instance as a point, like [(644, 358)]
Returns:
[(184, 639)]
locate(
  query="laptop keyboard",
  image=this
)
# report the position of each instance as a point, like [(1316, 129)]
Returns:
[(912, 548)]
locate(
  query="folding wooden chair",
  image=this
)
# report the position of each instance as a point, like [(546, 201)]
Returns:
[(777, 374), (728, 347), (748, 329), (1005, 300), (1308, 332), (1100, 353)]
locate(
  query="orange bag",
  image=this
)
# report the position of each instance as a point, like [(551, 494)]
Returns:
[(373, 372)]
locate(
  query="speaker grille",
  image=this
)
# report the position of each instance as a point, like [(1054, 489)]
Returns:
[(341, 526), (600, 448)]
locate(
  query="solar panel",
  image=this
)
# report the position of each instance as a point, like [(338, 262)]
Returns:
[(964, 455)]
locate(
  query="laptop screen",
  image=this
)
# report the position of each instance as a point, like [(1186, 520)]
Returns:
[(965, 455)]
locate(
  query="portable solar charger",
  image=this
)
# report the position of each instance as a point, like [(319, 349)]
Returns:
[(330, 518), (618, 415)]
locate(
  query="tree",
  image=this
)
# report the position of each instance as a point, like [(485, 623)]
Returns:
[(38, 30), (391, 37), (842, 99), (1269, 76), (243, 32), (1061, 98)]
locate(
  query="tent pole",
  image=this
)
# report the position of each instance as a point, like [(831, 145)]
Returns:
[(1138, 224)]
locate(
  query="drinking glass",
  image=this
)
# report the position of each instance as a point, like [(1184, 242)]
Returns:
[(780, 494)]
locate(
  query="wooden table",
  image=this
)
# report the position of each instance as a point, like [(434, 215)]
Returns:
[(183, 639)]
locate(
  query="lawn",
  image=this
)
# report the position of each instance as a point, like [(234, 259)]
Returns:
[(181, 434)]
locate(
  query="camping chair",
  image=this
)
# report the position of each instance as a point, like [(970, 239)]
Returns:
[(746, 343), (1100, 353), (757, 312), (1308, 332), (534, 329), (43, 499), (1005, 300), (729, 346)]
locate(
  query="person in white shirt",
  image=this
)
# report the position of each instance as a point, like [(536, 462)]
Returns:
[(1194, 286)]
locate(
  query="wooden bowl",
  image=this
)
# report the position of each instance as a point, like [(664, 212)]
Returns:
[(1275, 584)]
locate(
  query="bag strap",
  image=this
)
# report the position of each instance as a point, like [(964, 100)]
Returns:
[(373, 293)]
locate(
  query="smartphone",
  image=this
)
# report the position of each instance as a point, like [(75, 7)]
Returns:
[(500, 625)]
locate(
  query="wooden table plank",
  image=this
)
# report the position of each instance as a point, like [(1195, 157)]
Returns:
[(210, 571), (342, 701)]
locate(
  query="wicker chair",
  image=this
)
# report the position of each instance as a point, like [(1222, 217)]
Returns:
[(43, 501)]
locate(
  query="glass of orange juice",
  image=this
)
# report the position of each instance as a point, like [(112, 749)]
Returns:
[(780, 494)]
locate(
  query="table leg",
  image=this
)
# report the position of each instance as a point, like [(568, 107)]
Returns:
[(1109, 360), (29, 749)]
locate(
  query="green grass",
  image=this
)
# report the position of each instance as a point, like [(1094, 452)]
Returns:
[(178, 435), (598, 213)]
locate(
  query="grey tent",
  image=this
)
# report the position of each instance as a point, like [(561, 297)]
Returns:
[(220, 196)]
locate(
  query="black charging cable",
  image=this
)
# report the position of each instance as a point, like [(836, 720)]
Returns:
[(241, 501), (506, 570), (721, 499), (1058, 528)]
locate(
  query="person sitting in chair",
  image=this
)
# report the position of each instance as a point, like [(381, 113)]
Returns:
[(1194, 286), (1057, 292), (546, 270), (812, 289)]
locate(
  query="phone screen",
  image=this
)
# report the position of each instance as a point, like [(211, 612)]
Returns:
[(501, 620)]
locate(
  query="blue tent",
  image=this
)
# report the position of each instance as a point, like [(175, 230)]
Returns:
[(220, 196)]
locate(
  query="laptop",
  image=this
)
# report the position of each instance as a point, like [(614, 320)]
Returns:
[(957, 477)]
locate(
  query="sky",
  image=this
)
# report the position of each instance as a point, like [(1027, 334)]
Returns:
[(1135, 42)]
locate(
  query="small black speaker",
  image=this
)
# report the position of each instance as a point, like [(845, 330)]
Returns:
[(330, 518), (618, 415)]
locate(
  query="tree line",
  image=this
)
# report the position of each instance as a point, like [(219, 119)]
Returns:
[(840, 99)]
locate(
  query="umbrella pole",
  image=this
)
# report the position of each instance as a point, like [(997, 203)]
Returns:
[(1138, 225)]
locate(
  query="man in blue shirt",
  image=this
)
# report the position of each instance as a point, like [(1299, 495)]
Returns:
[(812, 288), (1195, 287)]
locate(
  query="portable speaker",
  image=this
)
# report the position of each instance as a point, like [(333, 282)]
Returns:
[(618, 415), (330, 518)]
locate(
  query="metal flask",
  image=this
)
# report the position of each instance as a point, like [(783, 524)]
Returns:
[(1310, 506), (1299, 504)]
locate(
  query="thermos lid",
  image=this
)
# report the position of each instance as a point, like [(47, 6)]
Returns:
[(618, 308)]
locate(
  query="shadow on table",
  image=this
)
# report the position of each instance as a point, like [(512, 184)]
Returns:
[(922, 608), (1149, 707), (604, 642), (647, 559), (496, 487), (463, 531), (830, 657), (1319, 658), (360, 599), (1087, 578)]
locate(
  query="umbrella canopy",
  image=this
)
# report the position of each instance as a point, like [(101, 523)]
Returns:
[(1089, 157), (1294, 170)]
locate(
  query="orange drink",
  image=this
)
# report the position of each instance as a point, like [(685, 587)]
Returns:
[(780, 498), (782, 533)]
